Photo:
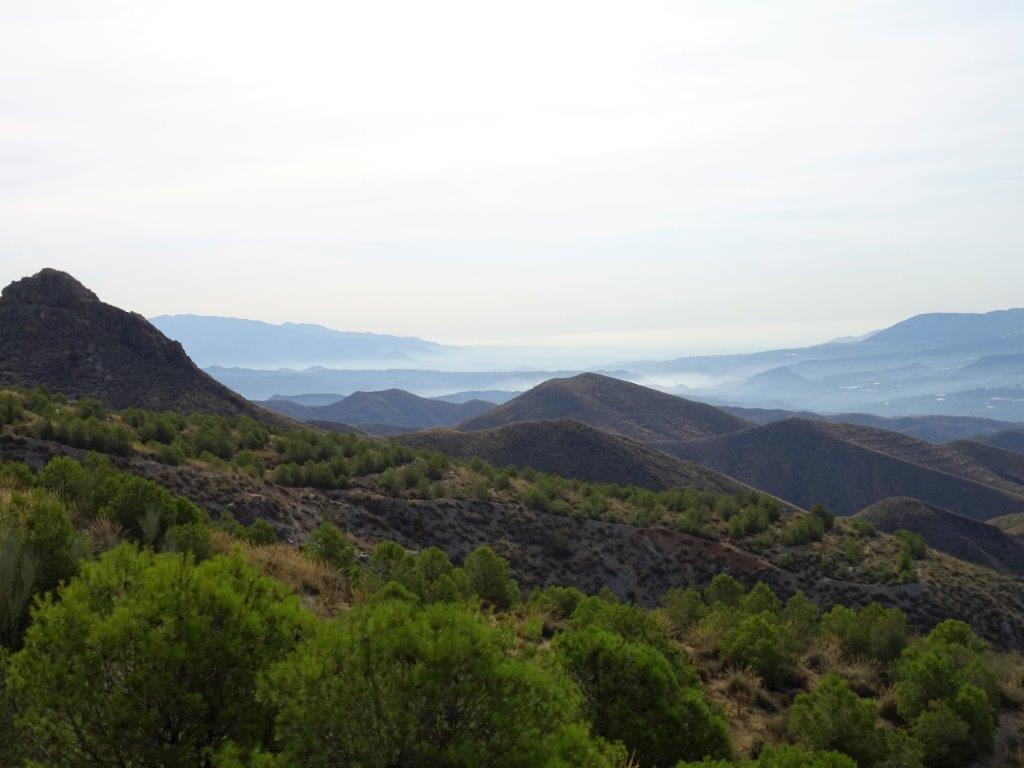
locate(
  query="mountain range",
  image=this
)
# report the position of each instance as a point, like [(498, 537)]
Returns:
[(56, 333), (229, 341), (844, 466), (935, 364)]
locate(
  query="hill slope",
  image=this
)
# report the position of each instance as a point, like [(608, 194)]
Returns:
[(390, 408), (646, 415), (934, 429), (1008, 440), (806, 462), (956, 535), (54, 332), (573, 449)]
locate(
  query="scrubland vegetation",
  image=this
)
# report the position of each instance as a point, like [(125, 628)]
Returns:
[(137, 631), (341, 462)]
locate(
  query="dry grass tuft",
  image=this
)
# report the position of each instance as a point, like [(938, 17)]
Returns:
[(103, 534), (323, 587), (1009, 671), (825, 655)]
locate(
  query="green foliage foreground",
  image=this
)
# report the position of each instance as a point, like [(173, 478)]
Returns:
[(126, 641)]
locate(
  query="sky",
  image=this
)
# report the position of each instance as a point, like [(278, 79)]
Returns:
[(650, 177)]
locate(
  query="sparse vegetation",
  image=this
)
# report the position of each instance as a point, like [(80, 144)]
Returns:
[(351, 658)]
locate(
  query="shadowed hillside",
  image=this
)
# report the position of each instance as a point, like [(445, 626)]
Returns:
[(807, 462), (56, 333), (651, 417), (934, 429), (1008, 440), (392, 409), (990, 466), (1011, 524), (956, 535), (573, 449), (1005, 463)]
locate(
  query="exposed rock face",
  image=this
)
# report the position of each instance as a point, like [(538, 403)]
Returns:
[(55, 332)]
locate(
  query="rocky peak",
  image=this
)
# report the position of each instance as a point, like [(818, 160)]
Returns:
[(49, 287)]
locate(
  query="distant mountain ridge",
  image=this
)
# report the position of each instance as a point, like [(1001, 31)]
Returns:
[(54, 332), (1008, 440), (388, 411), (943, 363), (258, 384), (229, 341), (934, 429)]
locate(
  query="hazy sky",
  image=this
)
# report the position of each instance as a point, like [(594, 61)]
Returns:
[(670, 175)]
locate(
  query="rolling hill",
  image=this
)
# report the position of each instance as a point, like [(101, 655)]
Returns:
[(1008, 440), (54, 332), (934, 429), (806, 462), (393, 409), (956, 535), (620, 407), (573, 449)]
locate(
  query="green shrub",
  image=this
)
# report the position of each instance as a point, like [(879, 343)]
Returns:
[(488, 577), (802, 617), (260, 533), (327, 545), (37, 552), (760, 599), (762, 643), (194, 538), (128, 657), (558, 603), (804, 529), (827, 518), (11, 410), (379, 688), (946, 738), (14, 475), (832, 717), (863, 528), (873, 632), (135, 503), (631, 693), (724, 590), (912, 544), (684, 608)]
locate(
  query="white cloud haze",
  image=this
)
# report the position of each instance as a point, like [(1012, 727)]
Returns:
[(668, 176)]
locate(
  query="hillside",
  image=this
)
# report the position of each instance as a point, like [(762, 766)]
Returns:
[(1008, 440), (1011, 524), (646, 415), (56, 333), (956, 535), (983, 464), (558, 532), (807, 462), (394, 409), (934, 429), (1006, 464), (573, 449)]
